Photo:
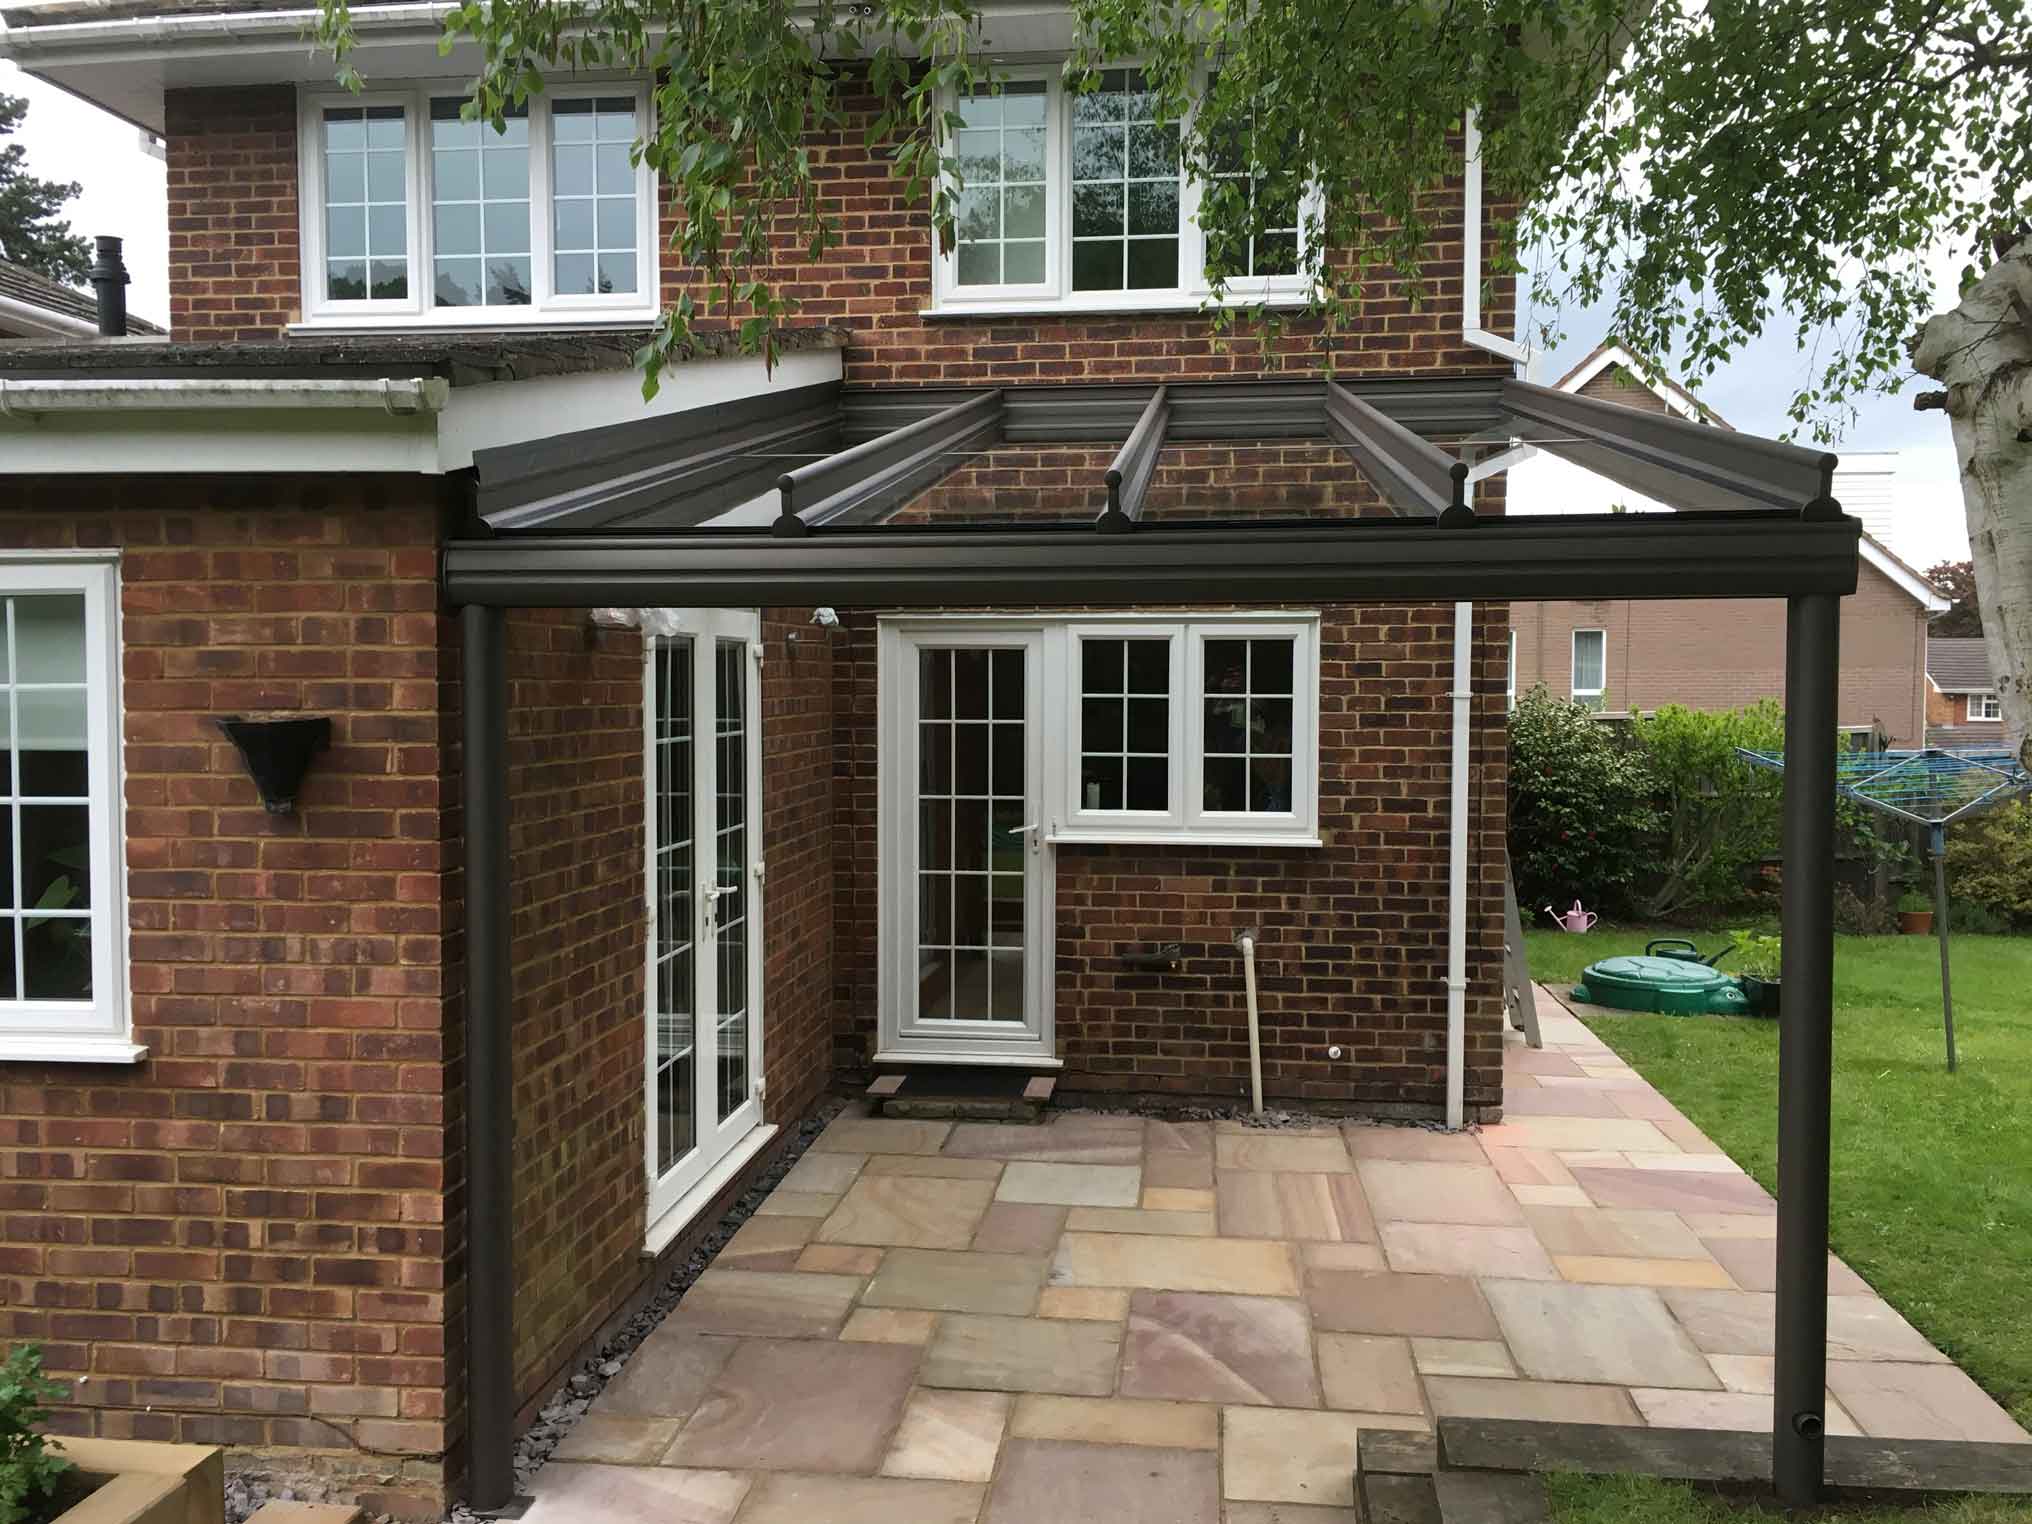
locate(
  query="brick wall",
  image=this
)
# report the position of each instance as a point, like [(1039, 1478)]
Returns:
[(240, 1240), (233, 233), (1716, 653), (1353, 945)]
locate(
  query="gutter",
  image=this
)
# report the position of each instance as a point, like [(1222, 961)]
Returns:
[(399, 398), (290, 28), (44, 320)]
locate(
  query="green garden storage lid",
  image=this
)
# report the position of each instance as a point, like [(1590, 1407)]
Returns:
[(1672, 986)]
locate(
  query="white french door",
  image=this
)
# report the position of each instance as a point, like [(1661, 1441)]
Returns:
[(966, 864), (703, 767)]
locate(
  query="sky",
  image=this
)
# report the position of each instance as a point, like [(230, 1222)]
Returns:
[(124, 193)]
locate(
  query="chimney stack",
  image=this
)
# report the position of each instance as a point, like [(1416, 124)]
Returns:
[(109, 280)]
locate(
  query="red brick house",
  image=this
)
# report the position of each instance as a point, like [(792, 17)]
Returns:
[(1961, 695), (1634, 655), (238, 1027)]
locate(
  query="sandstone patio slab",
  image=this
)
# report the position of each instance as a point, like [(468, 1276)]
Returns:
[(1384, 1302), (1610, 1335), (1614, 1232), (1900, 1401), (767, 1243), (1274, 1455), (1087, 1185), (1065, 1139), (618, 1441), (1054, 1480), (589, 1494), (1752, 1264), (666, 1376), (1545, 1401), (1325, 1154), (1740, 1412), (1742, 1323), (1243, 1266), (1370, 1141), (1368, 1373), (945, 1280), (856, 1500), (1014, 1227), (949, 1436), (908, 1211), (823, 1174), (1117, 1421), (1462, 1357), (1198, 1347), (799, 1405), (1293, 1204), (1401, 1190), (1438, 1248), (763, 1304), (1673, 1190), (881, 1135), (987, 1353)]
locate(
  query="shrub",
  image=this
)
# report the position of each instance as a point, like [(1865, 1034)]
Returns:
[(29, 1474), (1721, 814), (1855, 916), (1757, 955), (1581, 818), (1989, 861)]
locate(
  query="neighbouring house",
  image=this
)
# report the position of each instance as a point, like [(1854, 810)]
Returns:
[(1625, 656), (1962, 707), (611, 781), (32, 306)]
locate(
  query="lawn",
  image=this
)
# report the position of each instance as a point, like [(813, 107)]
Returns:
[(1932, 1189)]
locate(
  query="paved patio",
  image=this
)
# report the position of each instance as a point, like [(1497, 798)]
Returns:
[(1106, 1317)]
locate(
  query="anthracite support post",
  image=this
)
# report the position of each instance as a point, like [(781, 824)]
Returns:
[(1805, 1045), (490, 1286), (1937, 841)]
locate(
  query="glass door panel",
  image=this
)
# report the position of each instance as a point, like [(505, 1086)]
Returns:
[(673, 985)]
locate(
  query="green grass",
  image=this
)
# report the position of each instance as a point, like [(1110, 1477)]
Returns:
[(1640, 1500), (1932, 1187)]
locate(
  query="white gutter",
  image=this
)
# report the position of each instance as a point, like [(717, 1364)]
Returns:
[(421, 394), (1457, 876), (1471, 258), (42, 320), (289, 27)]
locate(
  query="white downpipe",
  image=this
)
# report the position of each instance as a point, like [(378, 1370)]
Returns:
[(1246, 941), (1457, 877)]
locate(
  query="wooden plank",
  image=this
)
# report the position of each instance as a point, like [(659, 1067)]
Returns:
[(1039, 1088), (1399, 1500), (886, 1086), (1517, 992), (1490, 1497), (1854, 1462), (1400, 1452)]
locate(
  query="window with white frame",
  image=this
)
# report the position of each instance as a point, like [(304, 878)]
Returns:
[(1196, 729), (415, 214), (62, 954), (1985, 706), (1077, 199), (1590, 667)]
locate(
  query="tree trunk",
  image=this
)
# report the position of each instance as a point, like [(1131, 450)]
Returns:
[(1982, 351)]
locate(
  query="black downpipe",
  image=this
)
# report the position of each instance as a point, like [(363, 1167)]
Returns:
[(490, 1284), (1805, 1046)]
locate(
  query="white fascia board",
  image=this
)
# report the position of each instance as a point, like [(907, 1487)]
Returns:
[(1917, 587), (217, 442), (123, 394), (194, 35)]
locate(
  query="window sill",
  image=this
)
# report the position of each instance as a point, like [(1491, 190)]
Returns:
[(1113, 305), (1086, 837), (678, 1216), (550, 322), (53, 1048)]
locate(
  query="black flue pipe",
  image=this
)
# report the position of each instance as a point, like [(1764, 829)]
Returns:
[(490, 1127), (108, 275), (1805, 1047)]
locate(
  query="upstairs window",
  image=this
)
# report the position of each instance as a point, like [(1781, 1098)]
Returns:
[(1590, 667), (1076, 199), (415, 215)]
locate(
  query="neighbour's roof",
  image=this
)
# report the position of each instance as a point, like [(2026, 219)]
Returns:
[(462, 359), (37, 290), (1959, 664), (1609, 358)]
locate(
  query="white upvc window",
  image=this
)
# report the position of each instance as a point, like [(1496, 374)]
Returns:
[(1199, 729), (1590, 667), (1076, 201), (412, 216), (1985, 706), (63, 962)]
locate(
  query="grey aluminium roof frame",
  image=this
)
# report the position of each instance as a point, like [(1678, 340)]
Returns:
[(1761, 522)]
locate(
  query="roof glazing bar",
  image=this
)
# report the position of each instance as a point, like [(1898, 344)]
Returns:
[(1412, 473), (871, 480), (1129, 476)]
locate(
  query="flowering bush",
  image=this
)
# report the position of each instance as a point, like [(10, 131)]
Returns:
[(1582, 821)]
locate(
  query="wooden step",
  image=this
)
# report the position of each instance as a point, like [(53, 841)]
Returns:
[(1490, 1497), (281, 1511)]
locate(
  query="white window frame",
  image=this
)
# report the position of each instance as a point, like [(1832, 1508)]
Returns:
[(1055, 293), (419, 310), (1985, 706), (99, 1030), (1579, 694), (1109, 824), (1302, 819)]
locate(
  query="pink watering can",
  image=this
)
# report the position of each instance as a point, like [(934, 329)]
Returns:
[(1575, 919)]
